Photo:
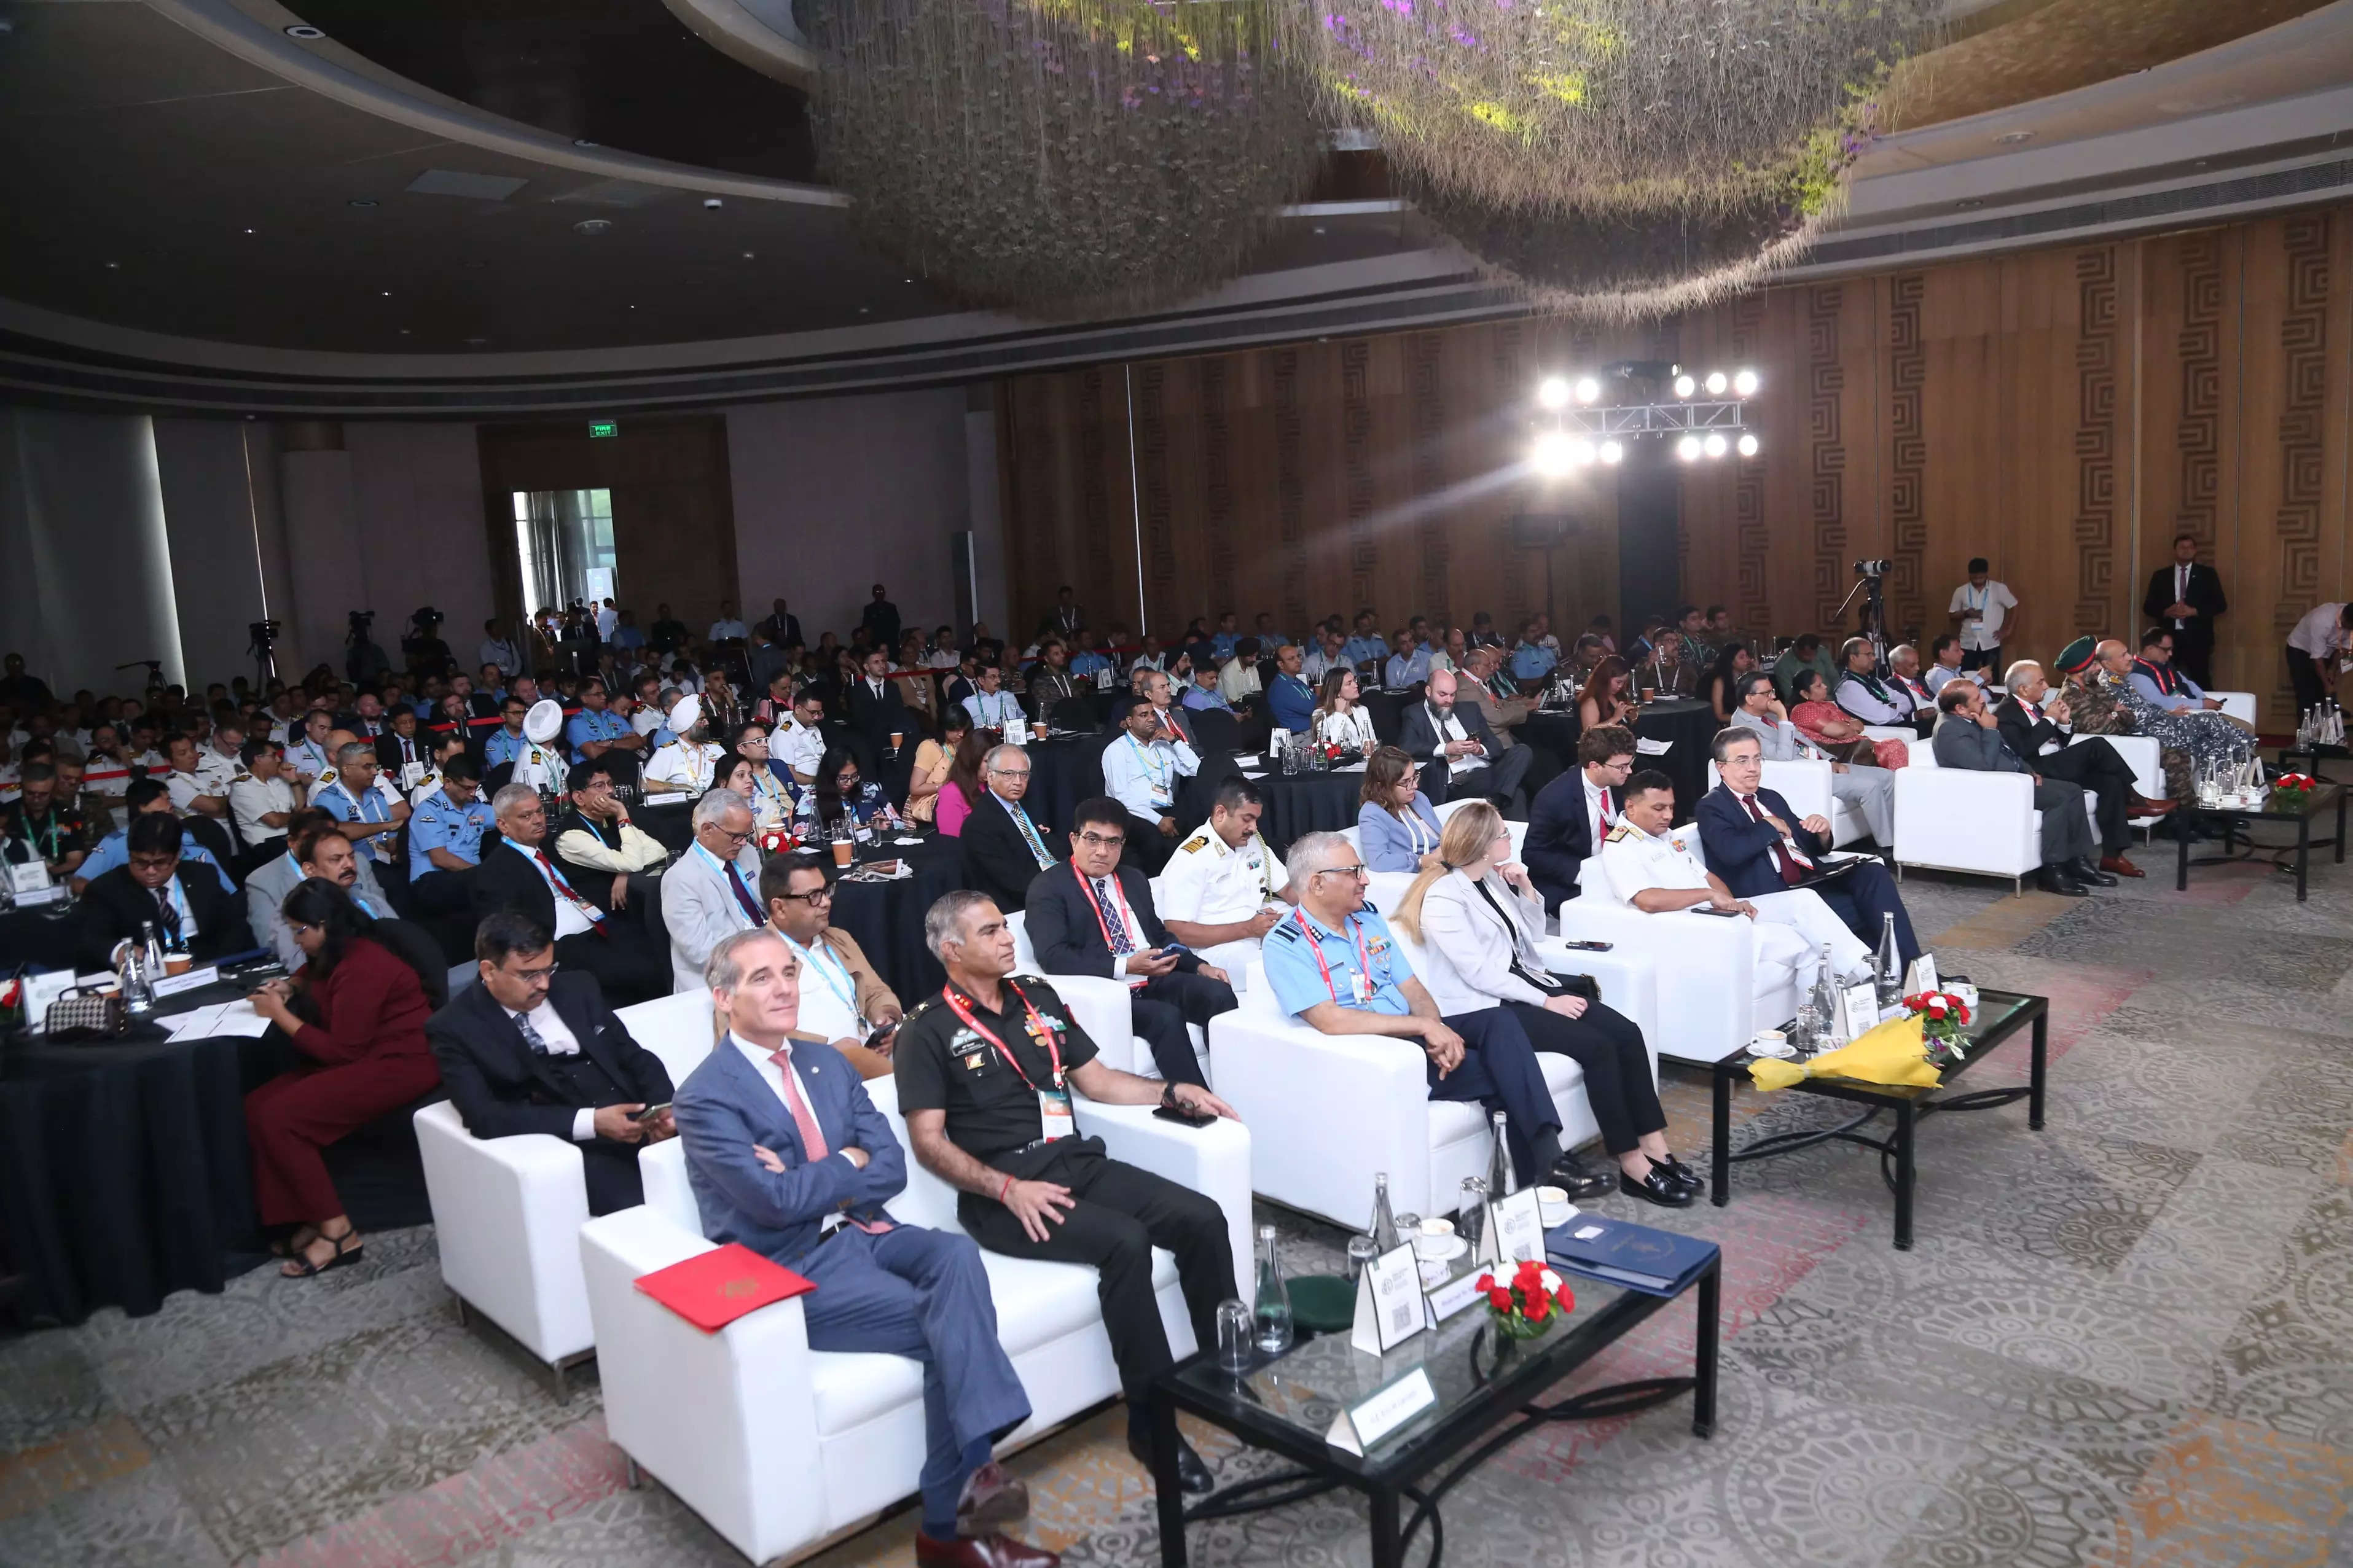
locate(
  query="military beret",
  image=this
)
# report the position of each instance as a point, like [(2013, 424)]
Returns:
[(2076, 656)]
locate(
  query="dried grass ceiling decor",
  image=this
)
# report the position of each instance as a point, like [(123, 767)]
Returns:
[(1621, 155), (1062, 157)]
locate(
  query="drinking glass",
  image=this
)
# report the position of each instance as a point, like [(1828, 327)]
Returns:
[(1235, 1330), (1362, 1250)]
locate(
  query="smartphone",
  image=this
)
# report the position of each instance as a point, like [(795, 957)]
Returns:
[(1184, 1117), (1169, 950), (881, 1032), (1712, 910), (649, 1112), (1590, 946)]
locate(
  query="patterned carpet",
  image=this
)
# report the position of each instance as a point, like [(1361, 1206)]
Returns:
[(2125, 1340)]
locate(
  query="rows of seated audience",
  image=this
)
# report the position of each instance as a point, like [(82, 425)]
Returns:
[(376, 830)]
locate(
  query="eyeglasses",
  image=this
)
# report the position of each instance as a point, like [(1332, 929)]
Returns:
[(1103, 841), (1009, 773), (813, 898), (532, 977), (1357, 871), (742, 838), (1617, 767)]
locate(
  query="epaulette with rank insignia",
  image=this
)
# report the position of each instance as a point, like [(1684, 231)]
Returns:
[(326, 777), (1198, 842), (240, 776), (1621, 831), (1284, 930)]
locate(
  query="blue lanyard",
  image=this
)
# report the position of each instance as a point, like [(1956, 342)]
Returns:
[(825, 971)]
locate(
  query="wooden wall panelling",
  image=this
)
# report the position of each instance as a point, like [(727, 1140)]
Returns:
[(1965, 462)]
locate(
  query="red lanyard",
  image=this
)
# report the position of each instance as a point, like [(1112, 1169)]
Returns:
[(963, 1009), (1315, 946), (1086, 886)]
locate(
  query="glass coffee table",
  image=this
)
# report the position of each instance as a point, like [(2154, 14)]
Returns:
[(2000, 1014), (2320, 798), (1288, 1403)]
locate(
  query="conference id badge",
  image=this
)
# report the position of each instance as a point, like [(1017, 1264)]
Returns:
[(1054, 1118), (1360, 986), (411, 776)]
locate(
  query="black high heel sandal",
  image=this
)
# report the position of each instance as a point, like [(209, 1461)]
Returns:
[(349, 1248)]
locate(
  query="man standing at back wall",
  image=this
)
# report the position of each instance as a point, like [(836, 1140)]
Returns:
[(1981, 609), (2185, 597)]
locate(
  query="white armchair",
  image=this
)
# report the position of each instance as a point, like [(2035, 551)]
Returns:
[(778, 1447), (507, 1212), (1100, 1003), (1805, 784), (2238, 705), (2142, 754), (1327, 1112), (1950, 820)]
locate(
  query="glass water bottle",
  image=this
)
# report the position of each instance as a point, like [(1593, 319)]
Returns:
[(1889, 976), (1272, 1309), (1499, 1163), (1826, 1004), (1384, 1227)]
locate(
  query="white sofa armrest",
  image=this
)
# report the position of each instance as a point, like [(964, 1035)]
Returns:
[(1697, 960), (1628, 983), (1214, 1161), (2238, 705), (1960, 820), (1322, 1107), (726, 1421), (507, 1214), (2141, 753)]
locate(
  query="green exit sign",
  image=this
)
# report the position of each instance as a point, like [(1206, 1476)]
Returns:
[(602, 429)]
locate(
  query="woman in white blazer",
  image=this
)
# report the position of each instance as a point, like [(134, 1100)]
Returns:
[(1341, 718), (1477, 919)]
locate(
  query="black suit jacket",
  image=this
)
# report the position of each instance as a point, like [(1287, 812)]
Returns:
[(996, 860), (875, 717), (502, 1088), (506, 880), (2205, 597), (1560, 838), (2024, 737), (1740, 848), (1070, 940), (1417, 733), (387, 752), (114, 907)]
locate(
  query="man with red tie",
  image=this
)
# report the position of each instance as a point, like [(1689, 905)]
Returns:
[(788, 1156), (1574, 812), (1758, 845), (522, 875)]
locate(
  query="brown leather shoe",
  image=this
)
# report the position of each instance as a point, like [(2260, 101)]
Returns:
[(2145, 807), (990, 1551), (2116, 865), (991, 1496)]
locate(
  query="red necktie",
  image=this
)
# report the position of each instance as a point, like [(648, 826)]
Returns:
[(1790, 872), (595, 916), (813, 1145)]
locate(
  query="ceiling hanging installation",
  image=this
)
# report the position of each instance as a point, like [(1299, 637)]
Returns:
[(1061, 158), (1619, 157)]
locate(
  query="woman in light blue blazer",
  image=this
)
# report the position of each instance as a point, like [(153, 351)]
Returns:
[(1394, 818)]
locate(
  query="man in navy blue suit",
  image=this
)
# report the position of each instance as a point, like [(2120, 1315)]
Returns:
[(788, 1156), (1758, 845)]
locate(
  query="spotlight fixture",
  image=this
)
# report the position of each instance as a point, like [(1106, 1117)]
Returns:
[(1580, 452), (713, 203), (1612, 453), (1588, 389), (1550, 457), (1744, 384), (1688, 448), (1717, 383), (1552, 393), (1748, 446), (1716, 446), (1685, 386)]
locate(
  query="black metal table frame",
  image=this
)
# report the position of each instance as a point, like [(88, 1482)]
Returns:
[(2232, 816), (1324, 1468), (1896, 1152)]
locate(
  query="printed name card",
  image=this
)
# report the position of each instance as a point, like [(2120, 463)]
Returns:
[(1389, 1309), (1373, 1417)]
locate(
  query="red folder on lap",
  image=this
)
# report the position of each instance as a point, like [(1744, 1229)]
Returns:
[(713, 1288)]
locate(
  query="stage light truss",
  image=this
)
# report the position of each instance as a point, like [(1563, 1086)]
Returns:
[(1652, 418), (1575, 429)]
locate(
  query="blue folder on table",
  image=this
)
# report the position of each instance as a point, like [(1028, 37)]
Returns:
[(1657, 1262)]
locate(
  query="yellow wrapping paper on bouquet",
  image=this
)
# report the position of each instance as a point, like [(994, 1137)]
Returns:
[(1891, 1053)]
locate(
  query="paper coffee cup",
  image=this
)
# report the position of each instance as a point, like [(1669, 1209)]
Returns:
[(1041, 729), (1650, 693), (177, 963), (897, 736), (841, 851)]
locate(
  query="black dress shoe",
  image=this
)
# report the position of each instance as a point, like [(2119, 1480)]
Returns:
[(1192, 1476), (1658, 1187), (1691, 1180), (1576, 1178), (2084, 871), (2052, 880)]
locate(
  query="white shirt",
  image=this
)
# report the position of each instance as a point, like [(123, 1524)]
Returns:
[(1996, 600), (2318, 633), (570, 919), (1354, 728), (179, 898), (216, 771), (1113, 898), (994, 710), (1452, 730), (646, 719), (688, 762), (1143, 778), (1632, 860), (184, 788), (1210, 882), (828, 993), (250, 798), (1238, 680), (1936, 675), (773, 1077), (1596, 818), (800, 747), (559, 1039), (2181, 589)]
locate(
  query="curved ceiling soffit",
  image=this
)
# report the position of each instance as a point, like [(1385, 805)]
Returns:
[(760, 34), (229, 30)]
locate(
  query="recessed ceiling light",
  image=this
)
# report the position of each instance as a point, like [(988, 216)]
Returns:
[(478, 341), (592, 226), (1319, 229), (362, 202), (2012, 138), (863, 309), (387, 293), (747, 256), (712, 204), (404, 331), (1972, 201), (305, 31), (114, 266), (582, 141)]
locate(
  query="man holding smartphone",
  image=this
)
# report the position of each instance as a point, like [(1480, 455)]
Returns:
[(842, 997)]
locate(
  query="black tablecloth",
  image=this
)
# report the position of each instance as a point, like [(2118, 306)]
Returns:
[(1300, 804), (124, 1175), (1062, 773), (1691, 725), (1555, 734), (40, 938), (1388, 708), (887, 918)]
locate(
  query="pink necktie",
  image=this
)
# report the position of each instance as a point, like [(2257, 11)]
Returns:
[(813, 1143)]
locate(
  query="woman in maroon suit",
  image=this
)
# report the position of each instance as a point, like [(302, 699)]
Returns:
[(368, 1056)]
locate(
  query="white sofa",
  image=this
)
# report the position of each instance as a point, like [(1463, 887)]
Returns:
[(1948, 819), (1100, 1005), (2238, 705), (778, 1447), (1329, 1111), (1703, 1015), (1805, 784), (507, 1212)]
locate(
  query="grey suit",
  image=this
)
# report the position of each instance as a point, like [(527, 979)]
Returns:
[(1963, 743), (1869, 790), (698, 907), (1498, 779), (266, 888)]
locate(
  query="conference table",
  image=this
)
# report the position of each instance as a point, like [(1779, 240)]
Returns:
[(1687, 725)]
